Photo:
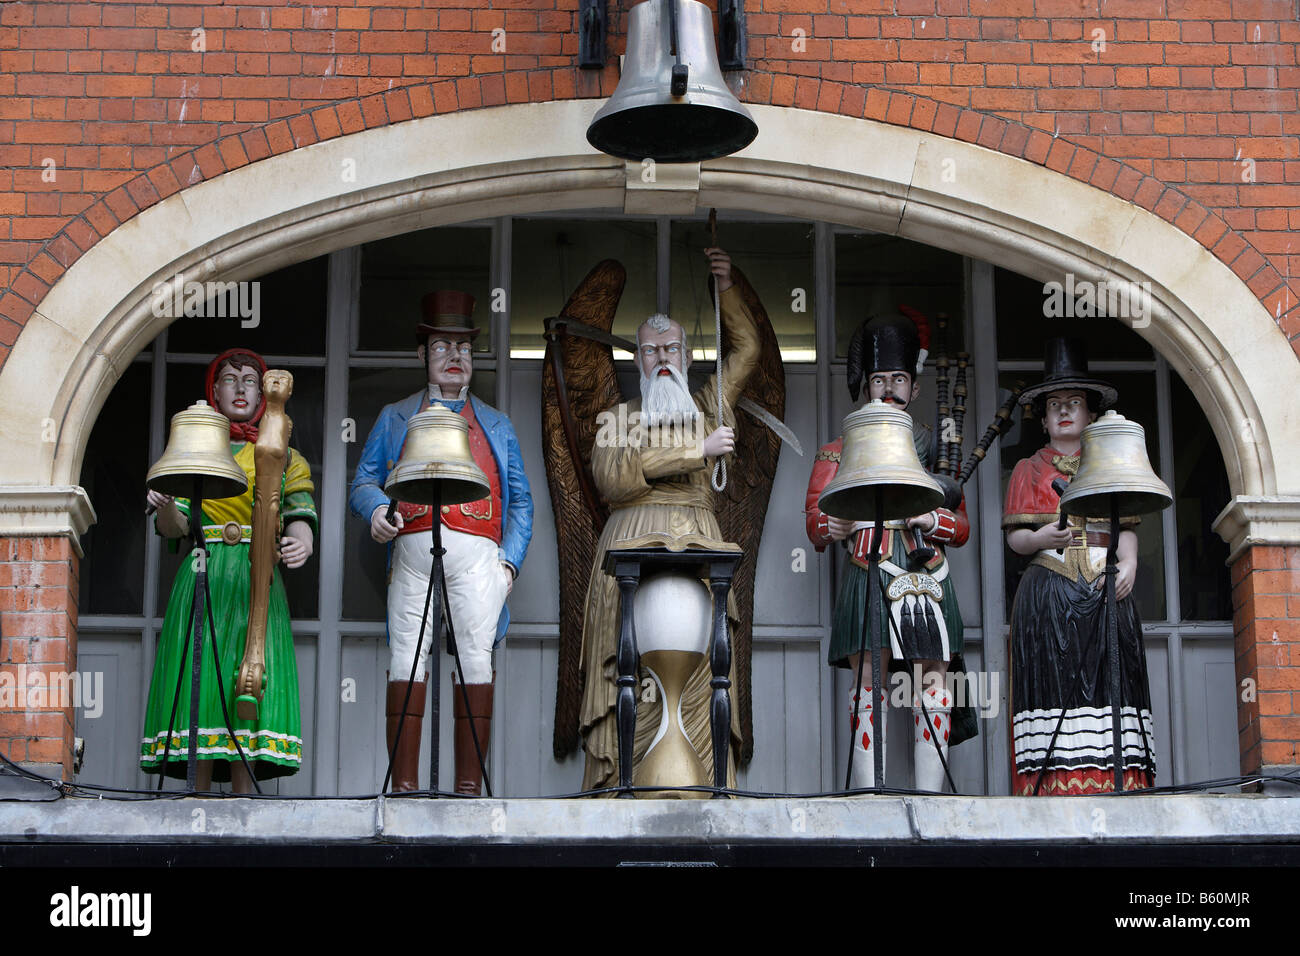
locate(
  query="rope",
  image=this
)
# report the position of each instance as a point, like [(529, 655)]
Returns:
[(719, 479)]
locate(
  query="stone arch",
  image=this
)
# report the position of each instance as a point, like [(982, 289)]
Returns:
[(945, 191)]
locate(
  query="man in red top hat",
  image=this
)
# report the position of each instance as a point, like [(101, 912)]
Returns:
[(485, 542)]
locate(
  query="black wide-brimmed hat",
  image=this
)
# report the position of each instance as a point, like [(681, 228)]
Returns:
[(446, 311), (1065, 366)]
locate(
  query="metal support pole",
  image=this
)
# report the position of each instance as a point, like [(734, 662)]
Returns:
[(1112, 643), (198, 615)]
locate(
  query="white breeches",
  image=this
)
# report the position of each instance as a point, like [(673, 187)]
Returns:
[(476, 590)]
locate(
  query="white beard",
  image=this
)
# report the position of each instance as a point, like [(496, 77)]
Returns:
[(666, 399)]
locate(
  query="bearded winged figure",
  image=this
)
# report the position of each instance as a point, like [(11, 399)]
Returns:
[(650, 487)]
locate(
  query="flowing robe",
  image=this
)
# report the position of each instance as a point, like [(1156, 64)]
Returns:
[(658, 496)]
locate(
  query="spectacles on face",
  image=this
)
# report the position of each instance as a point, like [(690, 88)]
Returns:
[(440, 348), (651, 352)]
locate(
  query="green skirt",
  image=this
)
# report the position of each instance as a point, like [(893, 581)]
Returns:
[(850, 617), (273, 742)]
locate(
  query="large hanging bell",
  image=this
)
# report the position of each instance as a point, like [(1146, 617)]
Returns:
[(878, 463), (198, 451), (1113, 462), (436, 466), (661, 112)]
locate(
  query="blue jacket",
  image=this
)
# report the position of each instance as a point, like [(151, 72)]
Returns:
[(384, 447)]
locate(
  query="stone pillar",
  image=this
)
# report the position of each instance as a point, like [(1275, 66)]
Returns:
[(1266, 628), (40, 557)]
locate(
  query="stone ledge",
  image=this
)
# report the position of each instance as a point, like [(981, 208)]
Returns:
[(882, 821), (29, 511)]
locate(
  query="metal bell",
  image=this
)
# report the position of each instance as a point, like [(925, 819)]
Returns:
[(198, 451), (1113, 462), (671, 105), (879, 459), (436, 466)]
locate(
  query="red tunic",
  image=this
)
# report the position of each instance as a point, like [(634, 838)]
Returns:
[(953, 527), (482, 517)]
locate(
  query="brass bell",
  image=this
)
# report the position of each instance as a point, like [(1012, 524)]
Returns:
[(879, 458), (1113, 462), (436, 466), (671, 104), (198, 451)]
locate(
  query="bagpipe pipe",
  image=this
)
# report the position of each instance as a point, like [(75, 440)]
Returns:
[(950, 419)]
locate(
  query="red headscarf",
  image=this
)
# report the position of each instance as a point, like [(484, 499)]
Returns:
[(239, 431)]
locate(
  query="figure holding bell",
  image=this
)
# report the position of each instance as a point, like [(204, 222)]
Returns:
[(1060, 683), (271, 741)]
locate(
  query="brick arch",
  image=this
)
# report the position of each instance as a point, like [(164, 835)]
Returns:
[(1278, 296), (454, 166)]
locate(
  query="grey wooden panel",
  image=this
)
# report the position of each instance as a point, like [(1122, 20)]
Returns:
[(536, 595), (109, 670), (1157, 648), (766, 771), (300, 784), (783, 595), (966, 761), (803, 723), (1210, 705), (525, 721), (516, 726), (363, 753)]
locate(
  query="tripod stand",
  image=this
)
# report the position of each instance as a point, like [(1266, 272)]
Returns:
[(438, 582), (192, 650)]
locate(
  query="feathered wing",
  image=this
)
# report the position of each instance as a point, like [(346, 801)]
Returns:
[(742, 507), (590, 386)]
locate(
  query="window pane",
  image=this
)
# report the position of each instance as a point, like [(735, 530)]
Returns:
[(777, 258), (1023, 327), (1137, 401), (306, 409), (551, 256), (396, 273), (290, 317), (365, 576), (874, 274), (112, 575), (1200, 492)]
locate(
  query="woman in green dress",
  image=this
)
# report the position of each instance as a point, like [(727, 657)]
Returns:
[(272, 742)]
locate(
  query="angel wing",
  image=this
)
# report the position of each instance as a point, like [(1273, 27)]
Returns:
[(587, 386), (742, 507)]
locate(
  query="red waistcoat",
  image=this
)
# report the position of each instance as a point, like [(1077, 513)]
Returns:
[(481, 517)]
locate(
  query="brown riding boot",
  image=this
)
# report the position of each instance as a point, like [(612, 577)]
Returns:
[(406, 762), (468, 773)]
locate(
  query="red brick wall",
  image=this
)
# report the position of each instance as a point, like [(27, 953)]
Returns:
[(1266, 621), (38, 634), (1169, 115)]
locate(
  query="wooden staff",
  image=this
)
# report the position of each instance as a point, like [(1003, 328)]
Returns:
[(270, 457), (1001, 423)]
